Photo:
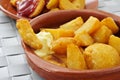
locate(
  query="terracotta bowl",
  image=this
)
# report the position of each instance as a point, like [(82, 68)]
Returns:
[(53, 72)]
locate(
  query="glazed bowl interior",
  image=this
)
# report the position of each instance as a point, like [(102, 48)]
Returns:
[(54, 19)]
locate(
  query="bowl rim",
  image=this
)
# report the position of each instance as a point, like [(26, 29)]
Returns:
[(57, 69)]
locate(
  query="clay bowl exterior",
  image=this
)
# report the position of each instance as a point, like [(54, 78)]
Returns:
[(52, 72)]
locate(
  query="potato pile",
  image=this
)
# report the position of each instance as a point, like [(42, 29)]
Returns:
[(85, 45), (65, 4), (23, 6)]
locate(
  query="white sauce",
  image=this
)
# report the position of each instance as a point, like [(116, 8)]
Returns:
[(46, 39)]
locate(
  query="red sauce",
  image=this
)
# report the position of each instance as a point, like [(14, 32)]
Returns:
[(26, 7)]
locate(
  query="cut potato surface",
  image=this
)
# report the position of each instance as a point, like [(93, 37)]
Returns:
[(110, 23), (99, 56), (90, 26), (27, 34), (75, 58), (114, 41)]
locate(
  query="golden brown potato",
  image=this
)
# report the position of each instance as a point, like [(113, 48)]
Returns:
[(99, 56), (71, 4), (90, 26), (79, 3), (110, 23), (63, 58), (38, 9), (52, 4), (57, 33), (102, 35), (75, 58), (114, 41), (27, 34), (54, 60), (73, 24), (59, 46), (54, 9), (83, 39), (13, 2), (66, 5)]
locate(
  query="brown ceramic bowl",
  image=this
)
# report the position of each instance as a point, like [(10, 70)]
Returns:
[(10, 11), (52, 72)]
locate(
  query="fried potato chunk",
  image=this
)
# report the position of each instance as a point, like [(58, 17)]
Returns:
[(54, 9), (114, 41), (52, 4), (90, 26), (66, 4), (73, 24), (99, 56), (13, 2), (83, 39), (54, 60), (102, 35), (27, 34), (79, 3), (57, 33), (110, 23), (59, 46), (38, 9), (75, 58), (62, 57), (75, 4)]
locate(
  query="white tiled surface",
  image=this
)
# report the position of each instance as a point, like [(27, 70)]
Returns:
[(13, 64)]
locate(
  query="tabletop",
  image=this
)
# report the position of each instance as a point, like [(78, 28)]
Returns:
[(13, 64)]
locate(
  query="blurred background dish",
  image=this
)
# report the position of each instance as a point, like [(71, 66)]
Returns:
[(10, 11)]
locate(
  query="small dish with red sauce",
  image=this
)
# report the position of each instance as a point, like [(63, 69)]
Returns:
[(11, 11)]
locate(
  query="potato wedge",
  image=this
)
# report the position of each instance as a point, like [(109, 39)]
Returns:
[(52, 4), (54, 60), (27, 34), (114, 41), (57, 33), (75, 58), (79, 3), (54, 9), (90, 26), (102, 35), (38, 9), (110, 23), (59, 46), (83, 39), (63, 58), (13, 2), (54, 32), (73, 24), (100, 56), (66, 5)]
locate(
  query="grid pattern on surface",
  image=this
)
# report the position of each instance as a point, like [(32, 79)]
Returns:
[(13, 64)]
